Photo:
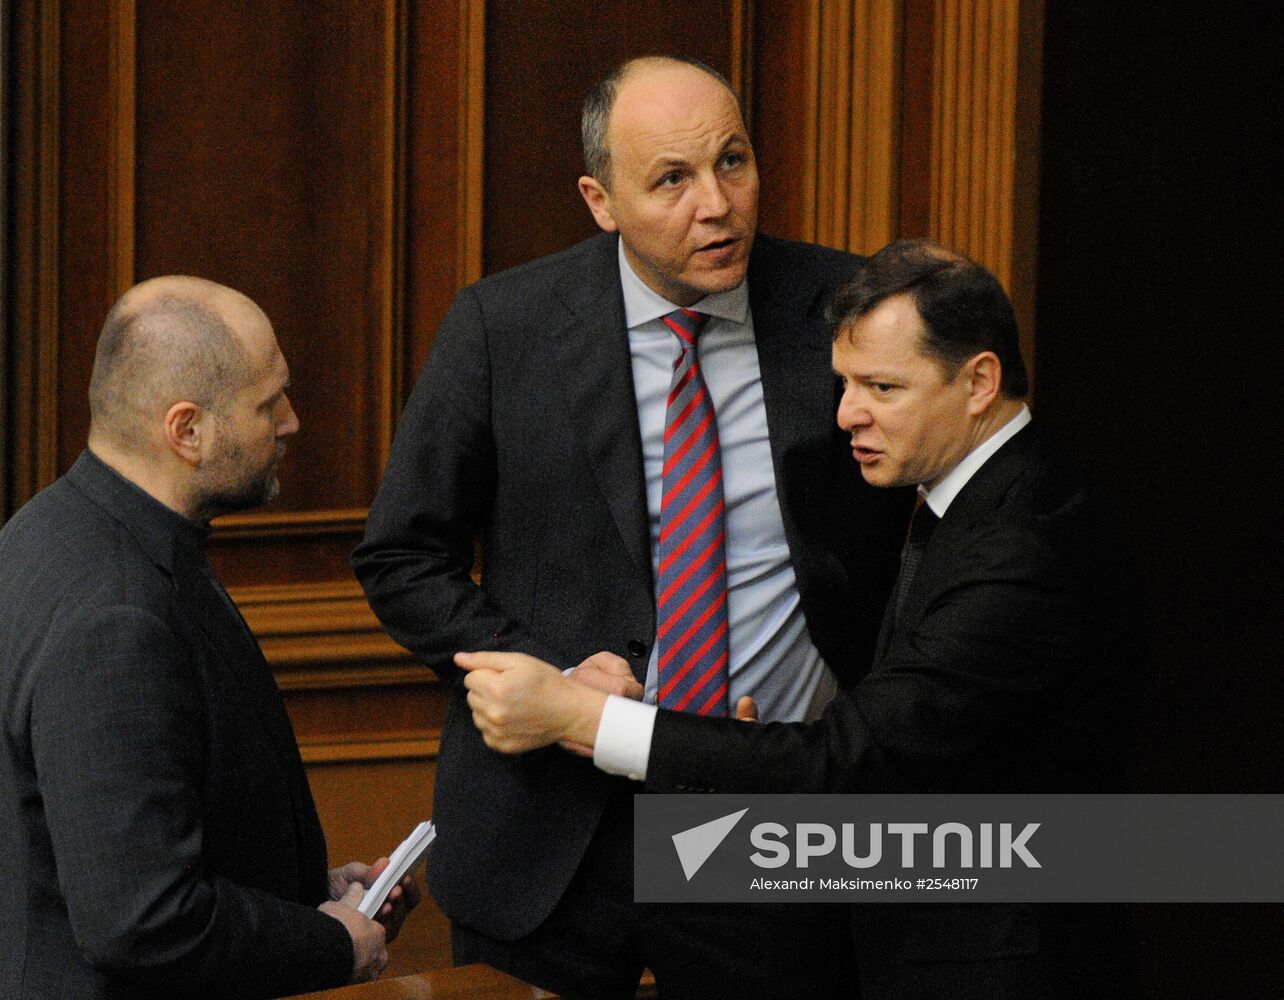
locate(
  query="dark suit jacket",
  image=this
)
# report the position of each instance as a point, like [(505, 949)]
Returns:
[(1009, 671), (523, 427), (157, 835)]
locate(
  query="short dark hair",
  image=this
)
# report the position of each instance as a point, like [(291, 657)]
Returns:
[(963, 307), (596, 116)]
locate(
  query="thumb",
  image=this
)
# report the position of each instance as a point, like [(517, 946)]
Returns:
[(353, 896), (746, 710), (484, 661)]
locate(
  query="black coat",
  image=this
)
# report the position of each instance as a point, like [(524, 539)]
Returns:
[(523, 428), (1010, 671), (157, 834)]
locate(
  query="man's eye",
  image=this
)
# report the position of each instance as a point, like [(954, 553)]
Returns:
[(670, 179), (732, 160), (883, 387)]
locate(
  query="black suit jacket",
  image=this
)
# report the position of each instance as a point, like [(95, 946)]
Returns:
[(1009, 671), (157, 834), (523, 427)]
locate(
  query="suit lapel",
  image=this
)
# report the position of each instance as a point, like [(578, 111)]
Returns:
[(977, 500), (798, 385), (595, 372)]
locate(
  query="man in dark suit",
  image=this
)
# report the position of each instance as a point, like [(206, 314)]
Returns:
[(539, 423), (157, 833), (1004, 658)]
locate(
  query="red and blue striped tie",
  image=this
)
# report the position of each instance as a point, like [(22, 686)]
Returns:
[(691, 589)]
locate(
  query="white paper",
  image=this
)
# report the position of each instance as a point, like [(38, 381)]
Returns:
[(404, 859)]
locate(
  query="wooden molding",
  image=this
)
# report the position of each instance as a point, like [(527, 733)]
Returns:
[(32, 454), (312, 523), (472, 116), (742, 14), (370, 747), (851, 173), (121, 106), (985, 93), (308, 631)]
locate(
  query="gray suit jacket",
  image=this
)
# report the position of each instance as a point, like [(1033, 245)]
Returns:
[(157, 834), (523, 427)]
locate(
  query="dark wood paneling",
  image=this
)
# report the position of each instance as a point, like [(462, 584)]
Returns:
[(84, 268), (264, 161), (918, 40), (434, 176), (541, 60), (780, 100)]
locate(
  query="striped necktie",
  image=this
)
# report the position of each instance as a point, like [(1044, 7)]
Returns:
[(691, 589)]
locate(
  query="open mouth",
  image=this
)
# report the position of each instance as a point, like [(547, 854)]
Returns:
[(720, 244)]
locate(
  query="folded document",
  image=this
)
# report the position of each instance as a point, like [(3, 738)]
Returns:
[(405, 859)]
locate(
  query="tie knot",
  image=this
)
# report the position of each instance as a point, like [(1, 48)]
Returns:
[(685, 324)]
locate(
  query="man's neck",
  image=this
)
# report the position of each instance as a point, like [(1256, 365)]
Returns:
[(144, 474)]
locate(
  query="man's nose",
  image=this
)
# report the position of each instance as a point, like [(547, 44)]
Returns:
[(852, 413), (291, 424), (713, 201)]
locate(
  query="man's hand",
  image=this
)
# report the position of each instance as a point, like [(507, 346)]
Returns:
[(746, 709), (610, 673), (369, 945), (520, 703), (403, 898), (603, 672)]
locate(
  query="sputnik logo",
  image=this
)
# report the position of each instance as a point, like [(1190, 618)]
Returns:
[(694, 846)]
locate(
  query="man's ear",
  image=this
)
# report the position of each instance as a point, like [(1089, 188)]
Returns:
[(986, 374), (598, 199), (188, 431)]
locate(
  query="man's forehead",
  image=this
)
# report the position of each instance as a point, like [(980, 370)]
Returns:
[(670, 97), (891, 330)]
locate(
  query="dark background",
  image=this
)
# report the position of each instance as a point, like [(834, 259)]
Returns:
[(1157, 361)]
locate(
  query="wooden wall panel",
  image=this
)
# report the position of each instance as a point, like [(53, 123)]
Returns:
[(541, 60), (443, 169), (266, 148)]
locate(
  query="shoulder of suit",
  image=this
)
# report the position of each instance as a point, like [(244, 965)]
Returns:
[(796, 251), (595, 252), (84, 556), (798, 265)]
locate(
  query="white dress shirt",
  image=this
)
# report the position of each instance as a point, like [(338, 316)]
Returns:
[(623, 744)]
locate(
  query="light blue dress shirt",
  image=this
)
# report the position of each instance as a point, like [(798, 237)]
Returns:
[(771, 654)]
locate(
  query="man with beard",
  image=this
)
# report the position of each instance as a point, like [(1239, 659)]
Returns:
[(157, 833)]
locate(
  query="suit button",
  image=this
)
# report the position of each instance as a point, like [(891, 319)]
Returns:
[(637, 648)]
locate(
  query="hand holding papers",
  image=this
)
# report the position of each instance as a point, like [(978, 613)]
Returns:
[(405, 859)]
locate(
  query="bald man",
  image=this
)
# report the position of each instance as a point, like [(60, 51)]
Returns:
[(157, 833), (539, 424)]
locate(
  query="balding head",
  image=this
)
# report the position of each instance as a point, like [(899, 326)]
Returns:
[(595, 121), (165, 340)]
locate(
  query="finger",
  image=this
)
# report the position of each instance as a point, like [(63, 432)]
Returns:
[(491, 660), (373, 872), (611, 664), (746, 710)]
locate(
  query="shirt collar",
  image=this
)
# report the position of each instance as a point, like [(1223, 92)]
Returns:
[(940, 496), (642, 304), (168, 538)]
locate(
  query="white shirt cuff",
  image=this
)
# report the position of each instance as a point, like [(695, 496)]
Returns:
[(623, 744)]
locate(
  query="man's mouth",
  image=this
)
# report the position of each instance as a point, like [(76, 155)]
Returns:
[(717, 245), (863, 454)]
